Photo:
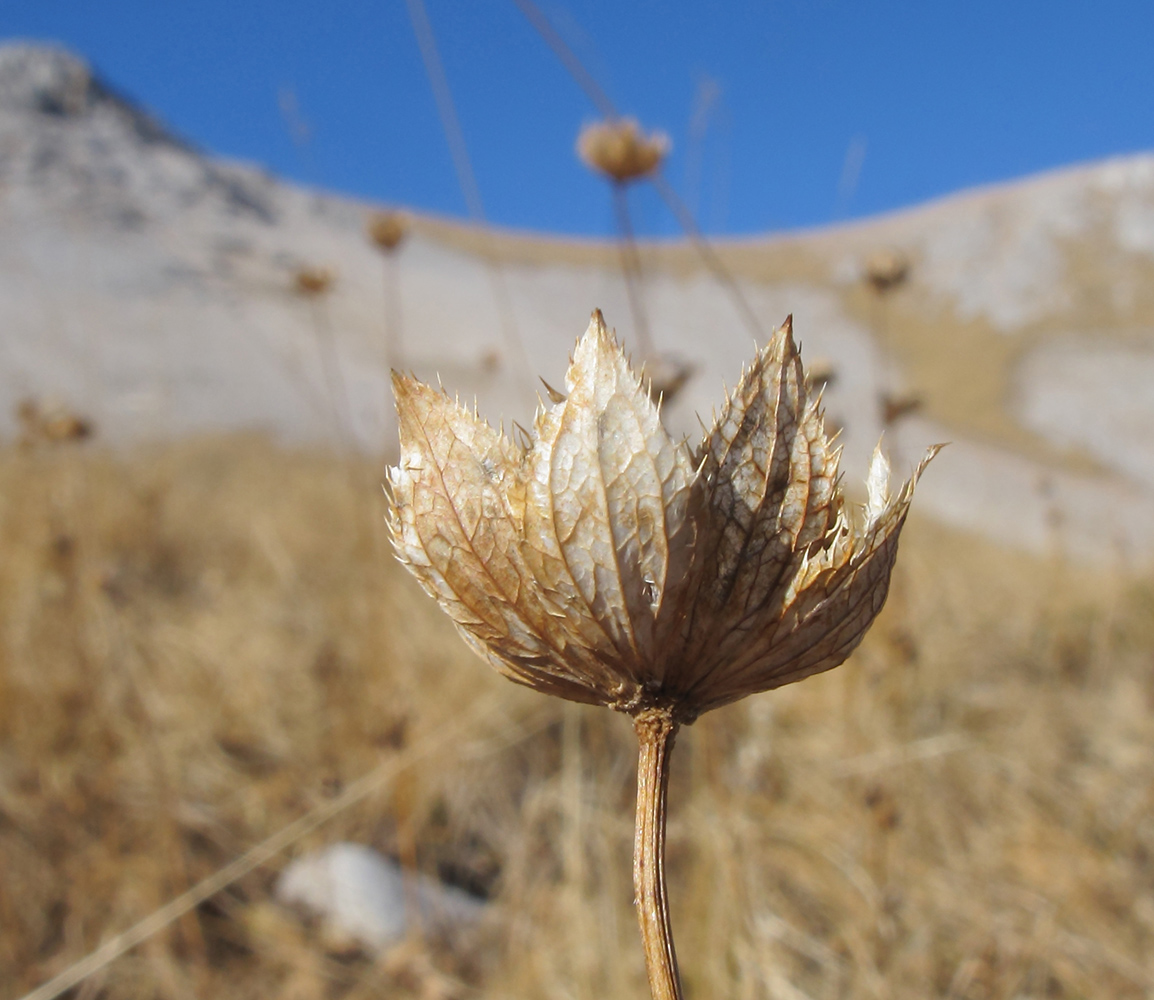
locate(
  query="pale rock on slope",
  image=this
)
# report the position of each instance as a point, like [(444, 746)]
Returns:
[(366, 899), (151, 288)]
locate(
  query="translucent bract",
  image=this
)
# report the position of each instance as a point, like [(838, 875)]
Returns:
[(606, 562)]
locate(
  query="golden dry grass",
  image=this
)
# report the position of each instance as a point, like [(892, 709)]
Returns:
[(200, 642)]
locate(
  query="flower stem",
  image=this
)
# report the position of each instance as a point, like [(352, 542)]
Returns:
[(656, 730)]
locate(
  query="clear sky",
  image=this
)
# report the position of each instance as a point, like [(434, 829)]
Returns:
[(806, 111)]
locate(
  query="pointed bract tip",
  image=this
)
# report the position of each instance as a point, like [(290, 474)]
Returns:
[(597, 332), (403, 384), (786, 329), (878, 484), (554, 394), (928, 457)]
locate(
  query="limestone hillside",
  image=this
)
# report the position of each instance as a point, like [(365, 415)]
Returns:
[(156, 292)]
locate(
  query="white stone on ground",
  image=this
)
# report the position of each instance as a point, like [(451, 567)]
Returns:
[(364, 897)]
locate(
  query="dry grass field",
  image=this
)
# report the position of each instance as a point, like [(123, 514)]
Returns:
[(201, 642)]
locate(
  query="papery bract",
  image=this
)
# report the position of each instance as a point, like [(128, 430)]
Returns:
[(605, 562)]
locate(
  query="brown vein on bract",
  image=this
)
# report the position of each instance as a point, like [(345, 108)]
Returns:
[(655, 441), (542, 455), (794, 467), (546, 620), (550, 512), (538, 680), (789, 567), (682, 641), (839, 582), (548, 640), (666, 627), (836, 579), (629, 612), (713, 484), (498, 588), (821, 501), (772, 412), (609, 350), (803, 418), (842, 579), (535, 590), (603, 497), (753, 664), (851, 622), (780, 353), (608, 344)]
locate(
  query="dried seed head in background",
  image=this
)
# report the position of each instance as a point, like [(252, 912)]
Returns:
[(312, 281), (387, 229), (886, 270), (620, 150), (51, 422), (605, 562)]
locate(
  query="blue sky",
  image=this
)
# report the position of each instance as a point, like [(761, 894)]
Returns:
[(808, 111)]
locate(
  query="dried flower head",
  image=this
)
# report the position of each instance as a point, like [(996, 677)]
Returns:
[(312, 281), (895, 407), (886, 269), (605, 562), (387, 229), (821, 373), (620, 150), (52, 423), (665, 375)]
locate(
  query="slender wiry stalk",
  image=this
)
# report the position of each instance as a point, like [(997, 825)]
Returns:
[(631, 267), (393, 358), (467, 179), (656, 730), (705, 250)]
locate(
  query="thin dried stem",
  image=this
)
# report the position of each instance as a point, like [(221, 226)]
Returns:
[(340, 409), (467, 179), (567, 57), (631, 267), (707, 253), (656, 731), (393, 340)]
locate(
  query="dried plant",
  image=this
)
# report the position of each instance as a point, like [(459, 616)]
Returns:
[(604, 562), (620, 150), (387, 229), (821, 373), (51, 423), (313, 281), (895, 407), (666, 375), (886, 270)]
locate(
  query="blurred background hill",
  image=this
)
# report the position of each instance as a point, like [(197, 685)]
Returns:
[(155, 290), (204, 636)]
